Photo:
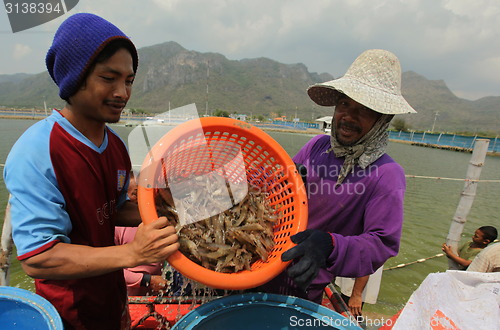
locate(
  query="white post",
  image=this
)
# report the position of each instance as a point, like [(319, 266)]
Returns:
[(6, 248), (474, 141), (467, 196)]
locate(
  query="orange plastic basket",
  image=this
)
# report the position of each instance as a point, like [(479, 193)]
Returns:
[(266, 164)]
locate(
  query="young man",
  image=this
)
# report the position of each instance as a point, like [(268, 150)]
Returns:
[(469, 250), (68, 178), (355, 190)]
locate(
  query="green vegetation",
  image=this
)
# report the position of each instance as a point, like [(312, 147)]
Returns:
[(135, 111), (400, 125), (220, 113)]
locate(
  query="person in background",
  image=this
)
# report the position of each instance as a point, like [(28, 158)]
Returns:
[(68, 175), (132, 189), (355, 189), (487, 261), (144, 279), (469, 250), (356, 291)]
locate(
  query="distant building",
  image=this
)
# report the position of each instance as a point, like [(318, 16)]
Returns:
[(325, 123), (241, 117)]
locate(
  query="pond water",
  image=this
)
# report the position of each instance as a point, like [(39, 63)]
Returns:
[(430, 205)]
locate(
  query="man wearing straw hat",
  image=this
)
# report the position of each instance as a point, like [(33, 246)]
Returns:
[(68, 177), (355, 190)]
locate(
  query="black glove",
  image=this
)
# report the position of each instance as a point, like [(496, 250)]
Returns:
[(313, 248), (302, 171)]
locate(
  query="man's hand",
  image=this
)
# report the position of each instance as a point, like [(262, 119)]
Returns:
[(157, 283), (154, 242), (312, 250), (355, 305), (455, 257), (356, 300)]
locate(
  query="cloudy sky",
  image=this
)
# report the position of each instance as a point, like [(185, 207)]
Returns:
[(457, 41)]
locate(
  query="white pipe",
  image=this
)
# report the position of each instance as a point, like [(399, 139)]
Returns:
[(467, 197)]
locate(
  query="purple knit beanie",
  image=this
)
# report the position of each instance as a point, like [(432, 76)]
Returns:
[(77, 42)]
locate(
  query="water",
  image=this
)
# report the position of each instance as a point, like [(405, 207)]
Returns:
[(429, 207)]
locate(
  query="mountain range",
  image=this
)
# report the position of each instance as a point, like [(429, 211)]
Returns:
[(170, 76)]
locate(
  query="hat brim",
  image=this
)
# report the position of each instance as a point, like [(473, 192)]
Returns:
[(326, 94)]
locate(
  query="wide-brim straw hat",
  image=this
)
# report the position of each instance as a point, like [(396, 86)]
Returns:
[(373, 79)]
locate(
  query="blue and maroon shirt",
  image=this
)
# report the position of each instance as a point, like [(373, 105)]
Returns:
[(65, 189)]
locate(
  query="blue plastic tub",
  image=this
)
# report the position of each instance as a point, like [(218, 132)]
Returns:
[(263, 311), (22, 309)]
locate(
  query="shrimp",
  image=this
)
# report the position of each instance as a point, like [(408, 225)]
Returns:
[(230, 241)]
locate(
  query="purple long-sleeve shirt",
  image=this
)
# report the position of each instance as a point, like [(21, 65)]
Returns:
[(364, 215)]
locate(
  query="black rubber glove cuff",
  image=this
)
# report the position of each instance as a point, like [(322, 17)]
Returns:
[(312, 251), (302, 172)]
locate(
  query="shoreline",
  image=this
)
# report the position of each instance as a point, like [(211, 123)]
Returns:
[(263, 127), (442, 147), (309, 131)]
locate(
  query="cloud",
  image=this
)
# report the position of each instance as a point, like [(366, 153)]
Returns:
[(21, 51)]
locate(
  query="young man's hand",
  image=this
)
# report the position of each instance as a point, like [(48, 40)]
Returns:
[(154, 242)]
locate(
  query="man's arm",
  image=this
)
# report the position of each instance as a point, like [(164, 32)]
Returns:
[(361, 255), (356, 300), (459, 260), (153, 242)]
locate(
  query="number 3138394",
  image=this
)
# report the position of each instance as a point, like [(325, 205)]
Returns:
[(32, 8)]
